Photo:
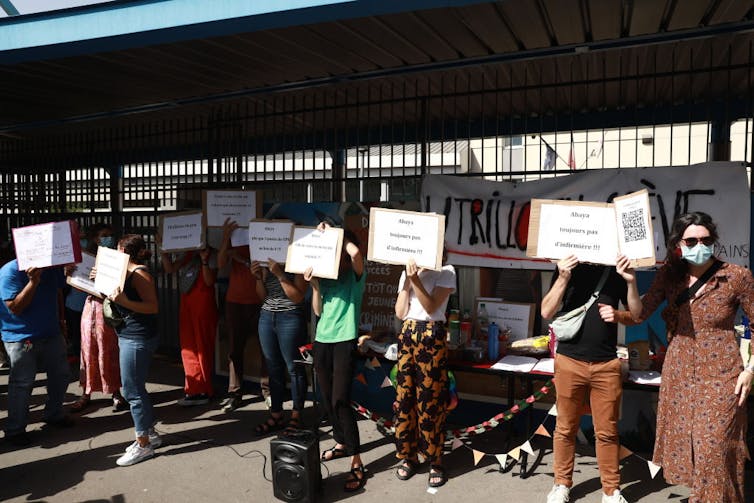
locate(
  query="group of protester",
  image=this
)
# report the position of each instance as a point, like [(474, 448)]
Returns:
[(701, 419)]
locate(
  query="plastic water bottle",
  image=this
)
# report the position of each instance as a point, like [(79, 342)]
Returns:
[(482, 320), (493, 344)]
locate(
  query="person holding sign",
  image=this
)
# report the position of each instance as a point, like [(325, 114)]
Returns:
[(422, 379), (197, 320), (338, 304), (138, 340), (31, 317), (99, 367), (701, 416), (281, 331), (586, 368), (242, 307)]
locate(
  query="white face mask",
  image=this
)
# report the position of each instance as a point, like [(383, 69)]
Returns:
[(698, 254)]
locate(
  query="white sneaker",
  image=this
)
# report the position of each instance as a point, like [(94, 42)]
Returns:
[(135, 454), (155, 440), (617, 497), (559, 494)]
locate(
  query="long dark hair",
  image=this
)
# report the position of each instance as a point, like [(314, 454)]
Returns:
[(135, 247), (679, 267)]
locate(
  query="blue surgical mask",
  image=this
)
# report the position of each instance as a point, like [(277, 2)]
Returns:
[(698, 254), (84, 243), (107, 241)]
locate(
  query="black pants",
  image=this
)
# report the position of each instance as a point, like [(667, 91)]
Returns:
[(334, 366)]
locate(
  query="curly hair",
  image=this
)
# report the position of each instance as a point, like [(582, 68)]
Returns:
[(679, 267), (135, 247)]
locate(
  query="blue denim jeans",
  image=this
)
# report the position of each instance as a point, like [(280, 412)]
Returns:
[(24, 358), (135, 357), (281, 334)]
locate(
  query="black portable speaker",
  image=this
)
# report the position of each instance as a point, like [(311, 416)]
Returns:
[(295, 467)]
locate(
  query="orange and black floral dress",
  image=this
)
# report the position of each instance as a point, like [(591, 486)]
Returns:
[(700, 427)]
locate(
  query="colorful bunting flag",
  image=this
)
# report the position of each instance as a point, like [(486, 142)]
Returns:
[(478, 455), (368, 364), (653, 468), (526, 447), (624, 453), (553, 411), (515, 453), (502, 459), (376, 363), (361, 379), (542, 431), (386, 383)]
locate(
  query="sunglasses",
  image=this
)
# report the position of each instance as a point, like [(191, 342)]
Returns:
[(692, 242)]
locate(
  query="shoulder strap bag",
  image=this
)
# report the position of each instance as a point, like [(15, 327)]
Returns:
[(567, 325)]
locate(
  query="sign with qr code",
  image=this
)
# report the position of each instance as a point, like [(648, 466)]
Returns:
[(594, 232)]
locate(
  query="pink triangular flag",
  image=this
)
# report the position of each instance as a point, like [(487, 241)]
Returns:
[(624, 453), (542, 431), (456, 444), (653, 468), (478, 455), (361, 379), (387, 383), (526, 447), (553, 411), (515, 453), (501, 458), (376, 363)]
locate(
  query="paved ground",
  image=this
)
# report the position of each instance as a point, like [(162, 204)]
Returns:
[(209, 456)]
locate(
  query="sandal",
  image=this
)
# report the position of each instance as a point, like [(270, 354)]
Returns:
[(119, 403), (408, 467), (335, 453), (437, 476), (271, 424), (81, 404), (353, 477)]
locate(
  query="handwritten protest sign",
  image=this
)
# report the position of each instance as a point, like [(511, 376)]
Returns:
[(79, 278), (395, 236), (47, 245), (182, 231), (590, 230), (269, 239), (317, 249), (112, 267), (238, 205)]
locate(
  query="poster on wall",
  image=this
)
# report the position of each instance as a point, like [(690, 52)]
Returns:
[(317, 249), (396, 236), (593, 232), (518, 317), (269, 239), (47, 245), (487, 222), (182, 231)]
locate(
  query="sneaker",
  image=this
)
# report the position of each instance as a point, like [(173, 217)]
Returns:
[(617, 497), (135, 454), (231, 403), (268, 401), (191, 400), (155, 440), (559, 494)]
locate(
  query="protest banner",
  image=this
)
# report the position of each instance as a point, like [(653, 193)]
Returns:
[(112, 267), (182, 231), (395, 236), (269, 239), (79, 278), (317, 249), (46, 245), (237, 205), (594, 232)]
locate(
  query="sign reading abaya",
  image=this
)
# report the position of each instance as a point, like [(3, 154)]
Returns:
[(395, 236)]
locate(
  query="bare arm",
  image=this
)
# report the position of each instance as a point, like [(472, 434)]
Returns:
[(167, 262), (224, 254), (21, 301), (145, 286), (295, 289), (209, 274), (552, 300), (316, 294)]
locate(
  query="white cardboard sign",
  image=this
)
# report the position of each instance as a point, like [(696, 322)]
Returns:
[(395, 236), (79, 278), (319, 250), (47, 245), (269, 239), (182, 231), (112, 267), (237, 205)]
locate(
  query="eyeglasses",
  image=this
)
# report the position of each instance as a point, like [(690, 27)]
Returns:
[(692, 242)]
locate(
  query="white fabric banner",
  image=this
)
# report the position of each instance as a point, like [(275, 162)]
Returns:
[(487, 222)]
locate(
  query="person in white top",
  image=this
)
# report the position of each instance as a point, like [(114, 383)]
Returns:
[(422, 377)]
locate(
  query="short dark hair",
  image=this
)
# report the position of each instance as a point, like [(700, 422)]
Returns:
[(135, 247)]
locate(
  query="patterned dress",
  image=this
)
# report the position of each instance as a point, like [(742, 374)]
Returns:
[(100, 367), (700, 427)]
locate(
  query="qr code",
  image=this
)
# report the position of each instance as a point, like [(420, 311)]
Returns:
[(633, 225)]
